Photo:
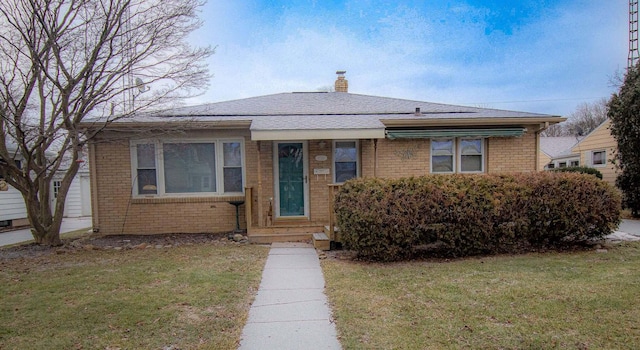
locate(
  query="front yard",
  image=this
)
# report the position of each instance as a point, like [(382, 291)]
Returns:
[(579, 300), (186, 297), (197, 296)]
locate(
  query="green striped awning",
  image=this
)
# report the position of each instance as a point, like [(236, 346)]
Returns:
[(447, 133)]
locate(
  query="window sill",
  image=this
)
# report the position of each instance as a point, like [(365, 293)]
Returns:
[(164, 200)]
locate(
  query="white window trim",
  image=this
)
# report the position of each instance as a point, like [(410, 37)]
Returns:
[(333, 160), (604, 164), (159, 158), (457, 155)]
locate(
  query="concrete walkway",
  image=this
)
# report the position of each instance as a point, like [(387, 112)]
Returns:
[(24, 235), (629, 230), (290, 310)]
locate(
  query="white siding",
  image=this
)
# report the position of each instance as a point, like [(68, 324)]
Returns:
[(78, 202), (12, 205)]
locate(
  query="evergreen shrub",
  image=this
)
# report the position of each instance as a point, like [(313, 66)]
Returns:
[(391, 219), (582, 170)]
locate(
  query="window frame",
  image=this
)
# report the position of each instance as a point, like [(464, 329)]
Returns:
[(160, 176), (333, 159), (457, 155), (604, 158), (453, 155), (482, 155)]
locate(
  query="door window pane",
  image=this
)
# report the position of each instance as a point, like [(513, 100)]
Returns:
[(189, 167), (291, 177)]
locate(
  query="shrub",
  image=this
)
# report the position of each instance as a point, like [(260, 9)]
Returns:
[(473, 214), (581, 170)]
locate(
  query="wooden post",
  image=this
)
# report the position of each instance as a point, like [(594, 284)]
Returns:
[(259, 194), (332, 196), (248, 204)]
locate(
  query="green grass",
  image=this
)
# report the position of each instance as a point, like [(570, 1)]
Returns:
[(189, 297), (581, 300)]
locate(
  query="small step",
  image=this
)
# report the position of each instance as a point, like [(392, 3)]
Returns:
[(336, 232), (321, 241)]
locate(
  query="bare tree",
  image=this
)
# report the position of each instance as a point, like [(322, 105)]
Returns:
[(582, 121), (65, 61)]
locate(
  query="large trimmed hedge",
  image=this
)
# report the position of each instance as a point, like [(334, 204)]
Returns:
[(382, 219)]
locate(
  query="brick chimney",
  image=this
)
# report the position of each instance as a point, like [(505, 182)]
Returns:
[(342, 84)]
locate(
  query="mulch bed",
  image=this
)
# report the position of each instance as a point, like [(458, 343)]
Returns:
[(115, 242)]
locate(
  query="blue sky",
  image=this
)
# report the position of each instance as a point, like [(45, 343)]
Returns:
[(538, 56)]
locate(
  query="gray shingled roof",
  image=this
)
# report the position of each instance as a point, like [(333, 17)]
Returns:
[(556, 147), (334, 103), (321, 111)]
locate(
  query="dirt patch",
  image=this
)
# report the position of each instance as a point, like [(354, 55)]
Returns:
[(117, 242)]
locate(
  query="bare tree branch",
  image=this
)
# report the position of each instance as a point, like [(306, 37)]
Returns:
[(63, 61)]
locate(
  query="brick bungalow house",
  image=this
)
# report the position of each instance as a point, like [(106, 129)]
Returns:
[(281, 156)]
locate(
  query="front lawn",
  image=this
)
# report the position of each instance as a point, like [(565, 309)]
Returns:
[(187, 297), (580, 300)]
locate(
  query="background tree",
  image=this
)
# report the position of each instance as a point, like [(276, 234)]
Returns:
[(582, 121), (624, 111), (62, 61)]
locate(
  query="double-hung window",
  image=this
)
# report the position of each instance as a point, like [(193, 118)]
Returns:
[(188, 167), (462, 155), (442, 156), (145, 175), (345, 158), (599, 158), (471, 159)]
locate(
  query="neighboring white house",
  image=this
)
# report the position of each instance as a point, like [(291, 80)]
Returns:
[(78, 201), (13, 212)]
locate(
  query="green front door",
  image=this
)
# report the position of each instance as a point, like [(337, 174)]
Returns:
[(291, 178)]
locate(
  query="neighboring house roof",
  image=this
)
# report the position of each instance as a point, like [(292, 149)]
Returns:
[(330, 115), (590, 134), (558, 147)]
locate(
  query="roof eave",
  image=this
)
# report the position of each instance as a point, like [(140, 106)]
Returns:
[(170, 124), (424, 122)]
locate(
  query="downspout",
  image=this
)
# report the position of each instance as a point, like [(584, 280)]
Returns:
[(93, 175), (375, 158), (542, 128)]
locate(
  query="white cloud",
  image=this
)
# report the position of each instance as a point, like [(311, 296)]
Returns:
[(440, 54)]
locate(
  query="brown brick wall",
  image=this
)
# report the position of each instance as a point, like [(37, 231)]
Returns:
[(512, 154), (117, 211), (401, 158)]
